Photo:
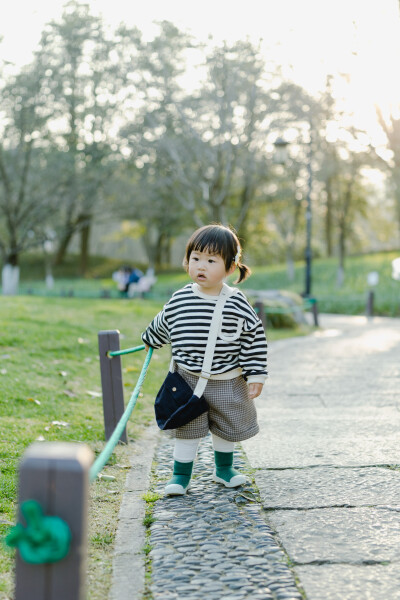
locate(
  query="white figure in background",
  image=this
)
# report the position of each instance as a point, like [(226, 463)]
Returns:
[(396, 269), (10, 280), (144, 284)]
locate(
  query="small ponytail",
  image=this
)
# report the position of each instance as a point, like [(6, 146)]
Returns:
[(244, 272)]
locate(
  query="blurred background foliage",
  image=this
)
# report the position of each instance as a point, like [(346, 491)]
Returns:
[(101, 126)]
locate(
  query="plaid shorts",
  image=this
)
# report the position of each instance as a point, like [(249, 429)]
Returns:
[(232, 415)]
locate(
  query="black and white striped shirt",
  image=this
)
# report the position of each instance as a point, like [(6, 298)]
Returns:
[(185, 322)]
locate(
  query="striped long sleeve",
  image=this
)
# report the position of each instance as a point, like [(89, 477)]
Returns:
[(185, 322)]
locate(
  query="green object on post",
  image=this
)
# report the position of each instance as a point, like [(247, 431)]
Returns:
[(126, 351), (43, 540)]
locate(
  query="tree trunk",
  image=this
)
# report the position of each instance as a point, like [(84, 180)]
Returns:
[(396, 178), (340, 272), (290, 265), (216, 215), (12, 258), (85, 237), (245, 203), (63, 246), (149, 247), (163, 250), (342, 233), (328, 217)]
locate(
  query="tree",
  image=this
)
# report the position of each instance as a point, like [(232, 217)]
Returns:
[(295, 115), (230, 109), (391, 127), (155, 140), (82, 81), (350, 200), (285, 210), (24, 198)]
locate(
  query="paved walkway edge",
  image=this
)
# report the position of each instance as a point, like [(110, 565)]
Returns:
[(129, 560)]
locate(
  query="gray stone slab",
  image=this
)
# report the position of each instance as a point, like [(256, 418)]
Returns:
[(335, 436), (348, 582), (357, 385), (379, 398), (328, 487), (349, 535), (302, 399), (332, 383), (128, 564)]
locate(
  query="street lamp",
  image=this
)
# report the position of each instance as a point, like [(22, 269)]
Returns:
[(281, 156)]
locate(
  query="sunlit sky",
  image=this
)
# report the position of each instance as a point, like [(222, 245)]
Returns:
[(308, 38)]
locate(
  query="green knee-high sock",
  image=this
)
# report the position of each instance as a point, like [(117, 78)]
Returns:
[(223, 465), (181, 474)]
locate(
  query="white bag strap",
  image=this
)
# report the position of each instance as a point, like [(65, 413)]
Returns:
[(225, 293)]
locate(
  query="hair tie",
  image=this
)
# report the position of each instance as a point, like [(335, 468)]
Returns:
[(237, 257)]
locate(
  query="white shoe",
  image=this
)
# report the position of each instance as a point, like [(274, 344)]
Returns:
[(235, 481), (175, 489)]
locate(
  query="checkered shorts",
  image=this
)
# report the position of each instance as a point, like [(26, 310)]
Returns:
[(232, 414)]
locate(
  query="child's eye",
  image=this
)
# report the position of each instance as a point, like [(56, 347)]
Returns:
[(211, 260)]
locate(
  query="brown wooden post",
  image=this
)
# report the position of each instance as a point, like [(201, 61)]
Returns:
[(314, 310), (56, 475), (370, 304), (261, 313), (111, 383)]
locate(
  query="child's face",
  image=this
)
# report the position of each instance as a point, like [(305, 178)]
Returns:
[(208, 271)]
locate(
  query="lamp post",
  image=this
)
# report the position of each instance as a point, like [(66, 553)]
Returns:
[(281, 155)]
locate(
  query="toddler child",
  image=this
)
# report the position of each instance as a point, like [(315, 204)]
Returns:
[(239, 363)]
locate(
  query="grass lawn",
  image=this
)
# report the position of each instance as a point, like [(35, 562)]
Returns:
[(50, 389), (350, 298)]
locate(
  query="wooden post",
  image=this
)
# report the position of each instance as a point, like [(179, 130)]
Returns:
[(56, 475), (111, 383), (314, 310), (261, 313), (370, 304)]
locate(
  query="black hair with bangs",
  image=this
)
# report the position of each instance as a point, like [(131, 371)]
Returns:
[(221, 240)]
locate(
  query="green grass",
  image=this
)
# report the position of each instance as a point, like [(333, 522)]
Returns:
[(50, 389), (348, 299)]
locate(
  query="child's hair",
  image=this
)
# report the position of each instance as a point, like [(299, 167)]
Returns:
[(218, 239)]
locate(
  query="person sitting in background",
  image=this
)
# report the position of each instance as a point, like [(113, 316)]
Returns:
[(121, 277), (134, 276), (144, 285)]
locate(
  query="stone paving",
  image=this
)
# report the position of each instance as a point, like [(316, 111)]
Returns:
[(328, 457), (214, 542)]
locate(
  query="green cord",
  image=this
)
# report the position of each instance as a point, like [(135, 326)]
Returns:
[(102, 459), (127, 351)]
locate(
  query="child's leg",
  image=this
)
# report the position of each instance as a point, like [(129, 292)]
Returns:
[(224, 472), (184, 454)]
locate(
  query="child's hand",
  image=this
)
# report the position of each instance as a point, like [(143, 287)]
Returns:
[(146, 347), (255, 390)]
